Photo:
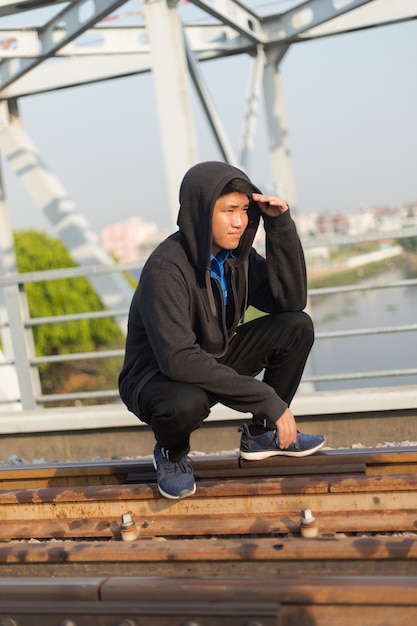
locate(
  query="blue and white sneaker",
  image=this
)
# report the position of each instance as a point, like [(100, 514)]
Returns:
[(256, 448), (175, 479)]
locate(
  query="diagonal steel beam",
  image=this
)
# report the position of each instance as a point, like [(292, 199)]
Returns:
[(212, 116), (8, 7), (74, 26), (54, 201), (250, 117), (295, 21), (376, 13), (77, 71), (234, 14), (172, 93)]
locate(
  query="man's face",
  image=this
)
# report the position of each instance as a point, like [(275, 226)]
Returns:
[(230, 218)]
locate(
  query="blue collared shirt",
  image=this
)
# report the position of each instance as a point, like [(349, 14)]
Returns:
[(217, 270)]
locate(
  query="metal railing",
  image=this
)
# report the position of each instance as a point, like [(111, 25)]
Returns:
[(19, 324), (358, 332)]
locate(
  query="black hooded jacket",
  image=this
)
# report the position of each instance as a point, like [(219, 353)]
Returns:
[(177, 320)]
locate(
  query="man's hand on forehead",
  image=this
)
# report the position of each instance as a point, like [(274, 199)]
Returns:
[(270, 205)]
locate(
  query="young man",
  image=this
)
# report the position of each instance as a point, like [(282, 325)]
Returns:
[(187, 347)]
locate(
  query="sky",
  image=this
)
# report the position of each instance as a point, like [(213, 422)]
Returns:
[(351, 103)]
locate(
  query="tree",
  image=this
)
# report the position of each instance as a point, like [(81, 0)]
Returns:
[(37, 251), (408, 244)]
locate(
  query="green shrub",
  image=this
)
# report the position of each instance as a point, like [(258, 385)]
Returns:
[(37, 251)]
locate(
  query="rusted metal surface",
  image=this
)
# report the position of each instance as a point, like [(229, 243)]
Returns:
[(341, 503), (138, 601), (158, 613), (368, 460), (372, 498), (244, 556), (230, 555)]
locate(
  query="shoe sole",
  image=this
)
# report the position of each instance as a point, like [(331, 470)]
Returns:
[(183, 494), (265, 454)]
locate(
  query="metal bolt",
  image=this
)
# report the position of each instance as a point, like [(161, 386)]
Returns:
[(128, 528), (127, 519), (67, 622), (308, 524), (307, 516)]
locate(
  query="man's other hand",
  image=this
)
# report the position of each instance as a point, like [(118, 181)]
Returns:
[(287, 429)]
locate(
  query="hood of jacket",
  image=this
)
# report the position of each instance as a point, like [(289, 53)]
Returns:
[(200, 188)]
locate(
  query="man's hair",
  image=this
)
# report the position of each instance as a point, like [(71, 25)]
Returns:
[(237, 185)]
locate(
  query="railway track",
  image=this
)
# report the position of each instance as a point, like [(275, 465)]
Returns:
[(234, 553)]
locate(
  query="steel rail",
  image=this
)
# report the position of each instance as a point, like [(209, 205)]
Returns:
[(287, 601), (107, 472), (329, 554), (272, 505), (268, 499), (232, 554)]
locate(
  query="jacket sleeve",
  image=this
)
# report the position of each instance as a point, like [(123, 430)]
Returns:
[(278, 283), (166, 318)]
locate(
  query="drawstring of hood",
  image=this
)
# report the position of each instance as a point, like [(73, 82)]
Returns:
[(245, 306), (212, 302)]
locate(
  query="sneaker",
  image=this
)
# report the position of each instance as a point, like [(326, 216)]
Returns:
[(175, 479), (256, 448)]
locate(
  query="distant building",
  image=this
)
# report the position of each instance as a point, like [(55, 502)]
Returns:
[(340, 224), (325, 224), (362, 222), (131, 240), (306, 224)]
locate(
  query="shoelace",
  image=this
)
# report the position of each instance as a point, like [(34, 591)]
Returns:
[(173, 466)]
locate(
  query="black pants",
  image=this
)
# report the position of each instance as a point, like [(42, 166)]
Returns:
[(277, 344)]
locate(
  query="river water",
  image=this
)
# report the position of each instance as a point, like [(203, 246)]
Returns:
[(389, 307)]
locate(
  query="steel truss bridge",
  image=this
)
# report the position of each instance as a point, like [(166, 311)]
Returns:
[(80, 43)]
